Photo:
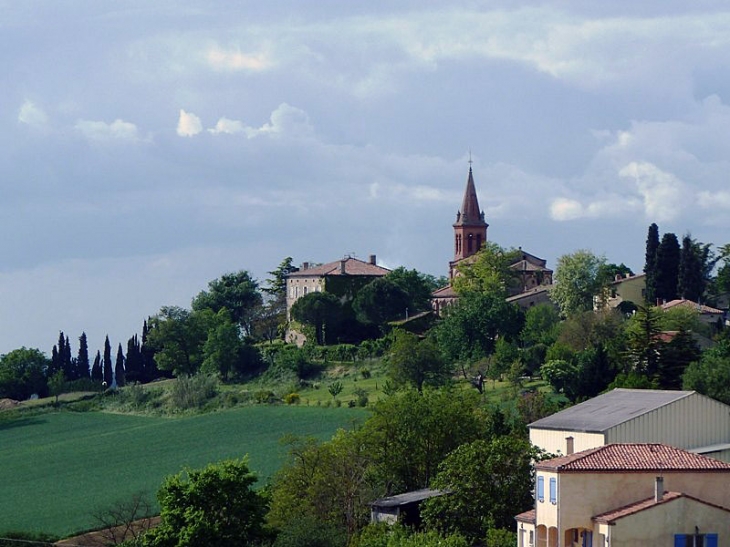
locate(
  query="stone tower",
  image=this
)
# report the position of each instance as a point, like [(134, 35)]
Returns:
[(470, 228)]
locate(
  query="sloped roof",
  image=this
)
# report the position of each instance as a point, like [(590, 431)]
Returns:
[(601, 413), (632, 457), (527, 294), (527, 266), (470, 214), (445, 292), (630, 278), (610, 517), (528, 516), (407, 498), (353, 266), (690, 304)]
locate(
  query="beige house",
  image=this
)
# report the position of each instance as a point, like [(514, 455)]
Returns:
[(706, 314), (684, 419), (628, 495), (627, 288)]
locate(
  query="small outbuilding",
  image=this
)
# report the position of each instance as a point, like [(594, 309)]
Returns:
[(403, 508)]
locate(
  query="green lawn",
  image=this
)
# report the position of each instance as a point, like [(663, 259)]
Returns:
[(57, 468)]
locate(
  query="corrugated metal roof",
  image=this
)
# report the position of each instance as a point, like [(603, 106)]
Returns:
[(408, 497), (601, 413)]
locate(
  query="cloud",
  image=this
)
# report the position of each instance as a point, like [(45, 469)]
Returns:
[(662, 192), (188, 124), (227, 126), (233, 60), (118, 130), (286, 120), (714, 200), (32, 115)]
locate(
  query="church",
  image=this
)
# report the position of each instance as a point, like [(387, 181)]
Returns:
[(470, 234)]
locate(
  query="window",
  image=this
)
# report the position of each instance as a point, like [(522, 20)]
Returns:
[(695, 540), (532, 538), (553, 490), (540, 488), (305, 290)]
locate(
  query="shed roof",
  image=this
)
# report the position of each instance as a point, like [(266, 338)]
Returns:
[(408, 497), (601, 413), (633, 457)]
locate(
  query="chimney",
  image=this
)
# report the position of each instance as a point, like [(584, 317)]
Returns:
[(569, 448), (342, 266), (659, 489), (372, 260), (305, 265)]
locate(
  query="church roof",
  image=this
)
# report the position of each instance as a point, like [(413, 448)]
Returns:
[(470, 214), (346, 266)]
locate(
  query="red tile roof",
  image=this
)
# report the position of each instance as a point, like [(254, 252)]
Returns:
[(689, 304), (639, 457), (528, 516), (610, 517), (353, 266)]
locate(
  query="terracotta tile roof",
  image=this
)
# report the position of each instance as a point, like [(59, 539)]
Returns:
[(630, 457), (528, 516), (353, 266), (445, 292), (610, 517), (689, 304), (630, 278), (526, 266), (527, 294)]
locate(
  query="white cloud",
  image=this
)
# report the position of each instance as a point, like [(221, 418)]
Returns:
[(188, 124), (104, 132), (663, 193), (233, 60), (714, 200), (227, 126), (566, 209), (286, 120), (32, 115)]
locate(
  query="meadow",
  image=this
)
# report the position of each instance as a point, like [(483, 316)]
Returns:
[(58, 468)]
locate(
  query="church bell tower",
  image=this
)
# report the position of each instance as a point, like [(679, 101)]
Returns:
[(470, 228)]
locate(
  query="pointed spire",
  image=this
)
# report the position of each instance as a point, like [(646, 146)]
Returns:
[(470, 214)]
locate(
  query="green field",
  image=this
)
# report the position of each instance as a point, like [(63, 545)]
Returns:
[(57, 468)]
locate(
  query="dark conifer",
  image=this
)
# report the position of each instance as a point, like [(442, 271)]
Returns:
[(69, 369), (652, 244), (107, 363), (119, 368), (96, 373), (55, 364), (133, 365), (82, 360), (667, 268)]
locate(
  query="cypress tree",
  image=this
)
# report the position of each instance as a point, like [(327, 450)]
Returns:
[(69, 368), (96, 372), (667, 268), (107, 363), (119, 377), (82, 361), (133, 365), (55, 364), (650, 264), (149, 365)]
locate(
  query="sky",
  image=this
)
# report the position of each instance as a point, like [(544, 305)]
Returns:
[(147, 148)]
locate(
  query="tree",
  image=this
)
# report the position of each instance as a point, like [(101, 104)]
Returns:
[(644, 340), (97, 373), (577, 280), (119, 374), (134, 365), (541, 325), (56, 383), (215, 506), (380, 301), (416, 362), (650, 263), (667, 268), (82, 360), (125, 520), (489, 482), (319, 310), (238, 293), (489, 272), (107, 363), (23, 373), (276, 284), (711, 374), (418, 286), (225, 353), (723, 273)]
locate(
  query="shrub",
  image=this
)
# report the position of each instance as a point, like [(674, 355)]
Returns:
[(361, 397), (292, 399), (264, 396), (365, 373), (193, 391)]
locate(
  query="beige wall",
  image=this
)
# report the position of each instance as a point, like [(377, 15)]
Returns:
[(296, 287), (583, 495), (554, 442), (657, 526)]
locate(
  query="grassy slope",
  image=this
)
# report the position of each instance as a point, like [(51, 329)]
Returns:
[(57, 468)]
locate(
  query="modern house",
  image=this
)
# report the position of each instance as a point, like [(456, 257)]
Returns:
[(684, 419), (628, 495)]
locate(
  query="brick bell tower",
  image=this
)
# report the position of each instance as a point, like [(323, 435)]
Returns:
[(470, 228)]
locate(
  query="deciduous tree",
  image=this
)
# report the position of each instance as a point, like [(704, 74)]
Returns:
[(320, 310), (237, 292), (416, 362), (578, 280), (23, 373)]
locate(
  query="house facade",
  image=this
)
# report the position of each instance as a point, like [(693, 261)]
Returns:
[(628, 495), (685, 419)]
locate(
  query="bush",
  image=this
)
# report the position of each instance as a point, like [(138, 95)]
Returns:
[(365, 373), (292, 399), (309, 532), (264, 397), (193, 391), (361, 397)]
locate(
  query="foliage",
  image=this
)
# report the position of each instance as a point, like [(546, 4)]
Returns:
[(214, 506), (384, 535), (694, 260), (225, 353), (308, 531), (335, 388), (380, 301), (498, 537), (237, 292), (667, 268), (488, 272), (23, 373), (541, 325), (644, 341), (276, 284), (711, 374), (489, 482), (650, 264), (193, 391), (412, 432), (56, 384), (470, 328), (177, 336), (416, 362), (578, 278), (418, 286), (320, 310)]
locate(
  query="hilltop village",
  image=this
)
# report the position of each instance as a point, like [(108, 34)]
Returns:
[(505, 404)]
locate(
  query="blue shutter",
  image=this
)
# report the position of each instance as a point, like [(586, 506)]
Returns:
[(540, 488), (711, 540), (553, 490), (680, 540)]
